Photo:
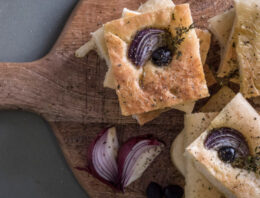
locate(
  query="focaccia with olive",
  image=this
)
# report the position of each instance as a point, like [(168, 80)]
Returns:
[(227, 153), (145, 82)]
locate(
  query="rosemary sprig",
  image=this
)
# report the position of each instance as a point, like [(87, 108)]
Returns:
[(176, 41)]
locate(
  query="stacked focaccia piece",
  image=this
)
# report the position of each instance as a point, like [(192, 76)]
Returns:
[(218, 151), (148, 90), (240, 42)]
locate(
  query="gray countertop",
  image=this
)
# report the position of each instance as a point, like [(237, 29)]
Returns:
[(31, 163)]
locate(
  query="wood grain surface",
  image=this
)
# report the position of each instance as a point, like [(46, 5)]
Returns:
[(68, 92)]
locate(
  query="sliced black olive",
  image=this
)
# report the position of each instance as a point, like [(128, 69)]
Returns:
[(162, 56), (173, 191), (227, 154), (154, 190)]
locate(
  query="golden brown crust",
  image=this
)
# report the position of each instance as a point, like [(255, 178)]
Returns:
[(183, 80), (205, 38)]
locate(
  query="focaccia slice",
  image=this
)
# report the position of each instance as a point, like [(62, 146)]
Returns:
[(196, 184), (248, 46), (181, 81), (232, 182), (221, 26), (205, 37)]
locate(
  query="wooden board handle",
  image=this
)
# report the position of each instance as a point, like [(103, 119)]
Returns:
[(59, 86)]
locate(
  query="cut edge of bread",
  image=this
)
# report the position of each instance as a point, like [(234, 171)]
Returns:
[(177, 150)]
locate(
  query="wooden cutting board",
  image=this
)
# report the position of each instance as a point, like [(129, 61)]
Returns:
[(68, 92)]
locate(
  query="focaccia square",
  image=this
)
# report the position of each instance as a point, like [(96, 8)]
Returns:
[(181, 81), (204, 37), (232, 182)]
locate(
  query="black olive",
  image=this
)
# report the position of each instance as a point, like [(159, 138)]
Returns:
[(154, 190), (228, 142), (173, 191), (162, 56), (227, 154)]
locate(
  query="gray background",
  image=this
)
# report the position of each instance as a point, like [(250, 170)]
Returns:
[(31, 163)]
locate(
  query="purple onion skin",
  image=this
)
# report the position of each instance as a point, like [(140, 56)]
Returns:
[(144, 43), (90, 167), (126, 148), (123, 152), (227, 137)]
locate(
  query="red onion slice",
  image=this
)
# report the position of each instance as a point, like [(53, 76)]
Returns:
[(227, 137), (135, 156), (145, 42), (102, 156)]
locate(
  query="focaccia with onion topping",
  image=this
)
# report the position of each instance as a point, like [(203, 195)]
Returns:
[(232, 181), (160, 87)]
